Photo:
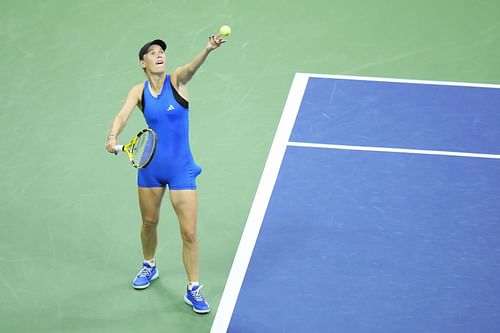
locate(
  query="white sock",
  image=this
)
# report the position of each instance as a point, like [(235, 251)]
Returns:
[(192, 284), (151, 262)]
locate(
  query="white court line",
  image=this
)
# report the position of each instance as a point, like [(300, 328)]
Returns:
[(259, 206), (393, 150), (382, 79), (270, 174)]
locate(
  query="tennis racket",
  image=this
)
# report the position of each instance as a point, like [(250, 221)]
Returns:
[(141, 149)]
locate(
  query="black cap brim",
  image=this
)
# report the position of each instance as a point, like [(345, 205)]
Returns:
[(146, 46)]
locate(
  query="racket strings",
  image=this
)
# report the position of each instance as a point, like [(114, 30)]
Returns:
[(143, 149)]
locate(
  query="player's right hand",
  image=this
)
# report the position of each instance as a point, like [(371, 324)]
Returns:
[(110, 145)]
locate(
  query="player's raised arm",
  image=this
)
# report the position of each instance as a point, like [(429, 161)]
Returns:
[(184, 74)]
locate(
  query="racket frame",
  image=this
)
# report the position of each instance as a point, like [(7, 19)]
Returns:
[(128, 148)]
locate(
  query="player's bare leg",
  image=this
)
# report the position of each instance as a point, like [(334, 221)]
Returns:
[(149, 202), (185, 204)]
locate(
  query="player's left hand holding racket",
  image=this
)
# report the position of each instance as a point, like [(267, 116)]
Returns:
[(140, 149)]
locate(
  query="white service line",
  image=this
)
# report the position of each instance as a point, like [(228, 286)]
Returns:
[(411, 81), (392, 150)]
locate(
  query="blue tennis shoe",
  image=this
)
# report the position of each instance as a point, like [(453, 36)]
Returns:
[(195, 299), (145, 276)]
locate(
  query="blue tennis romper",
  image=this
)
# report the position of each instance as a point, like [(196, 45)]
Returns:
[(173, 164)]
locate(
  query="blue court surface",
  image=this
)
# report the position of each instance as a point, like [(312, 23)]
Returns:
[(378, 211)]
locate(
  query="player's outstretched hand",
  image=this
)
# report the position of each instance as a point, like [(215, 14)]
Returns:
[(214, 42)]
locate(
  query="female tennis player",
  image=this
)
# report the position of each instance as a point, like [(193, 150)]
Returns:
[(163, 99)]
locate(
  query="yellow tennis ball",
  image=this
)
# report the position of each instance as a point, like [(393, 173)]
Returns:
[(225, 30)]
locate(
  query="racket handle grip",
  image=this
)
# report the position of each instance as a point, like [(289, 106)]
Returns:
[(118, 148)]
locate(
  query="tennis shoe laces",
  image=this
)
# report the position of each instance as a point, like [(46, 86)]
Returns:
[(195, 298), (145, 276)]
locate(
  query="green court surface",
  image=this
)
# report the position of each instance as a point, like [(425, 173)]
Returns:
[(69, 218)]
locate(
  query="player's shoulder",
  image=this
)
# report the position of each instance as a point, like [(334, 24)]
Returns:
[(138, 87), (174, 77), (175, 73), (136, 90)]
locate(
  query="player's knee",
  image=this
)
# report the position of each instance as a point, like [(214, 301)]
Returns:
[(189, 237), (149, 222)]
